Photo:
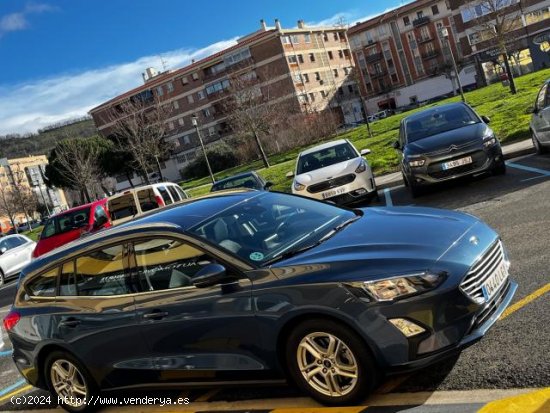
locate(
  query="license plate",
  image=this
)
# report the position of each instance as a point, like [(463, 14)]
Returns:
[(333, 192), (494, 282), (457, 162)]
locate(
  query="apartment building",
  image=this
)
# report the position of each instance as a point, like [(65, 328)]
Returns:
[(404, 58), (528, 30), (308, 66), (29, 172)]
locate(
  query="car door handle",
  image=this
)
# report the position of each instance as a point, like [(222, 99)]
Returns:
[(69, 322), (156, 315)]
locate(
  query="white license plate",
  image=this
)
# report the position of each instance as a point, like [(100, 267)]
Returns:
[(333, 192), (494, 282), (457, 162)]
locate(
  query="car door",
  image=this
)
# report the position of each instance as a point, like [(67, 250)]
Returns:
[(193, 333), (95, 316), (541, 119), (9, 260), (21, 251)]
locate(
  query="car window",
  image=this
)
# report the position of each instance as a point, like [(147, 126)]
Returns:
[(542, 98), (166, 263), (122, 206), (247, 181), (325, 157), (99, 273), (99, 213), (165, 195), (4, 244), (174, 193), (66, 222), (147, 200), (439, 120), (67, 280), (182, 193), (43, 285), (13, 242)]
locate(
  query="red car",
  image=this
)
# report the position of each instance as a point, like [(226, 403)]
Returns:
[(72, 224)]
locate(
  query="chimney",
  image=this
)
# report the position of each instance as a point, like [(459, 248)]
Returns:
[(301, 24), (263, 26), (278, 25)]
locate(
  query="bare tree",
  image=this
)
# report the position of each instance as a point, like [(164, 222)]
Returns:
[(25, 199), (139, 128), (8, 204), (496, 20)]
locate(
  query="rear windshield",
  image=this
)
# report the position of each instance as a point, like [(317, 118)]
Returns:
[(438, 121), (66, 222), (240, 182), (122, 207), (325, 157)]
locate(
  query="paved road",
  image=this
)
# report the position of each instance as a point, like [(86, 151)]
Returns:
[(514, 354)]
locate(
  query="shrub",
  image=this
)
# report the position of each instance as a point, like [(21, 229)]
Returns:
[(220, 155)]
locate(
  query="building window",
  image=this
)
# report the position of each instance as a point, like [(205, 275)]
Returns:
[(406, 21), (200, 94), (206, 112), (295, 39), (312, 96), (176, 104), (217, 87), (181, 121), (195, 76), (298, 77), (537, 15), (369, 87), (382, 30), (211, 131), (324, 93), (307, 38), (330, 55), (335, 72), (170, 87), (312, 57), (340, 54), (300, 58), (186, 139), (325, 37), (190, 99), (394, 78), (435, 9), (350, 88), (160, 91), (171, 125), (317, 76), (292, 59), (286, 39), (235, 58), (184, 80), (335, 36), (419, 14), (306, 77)]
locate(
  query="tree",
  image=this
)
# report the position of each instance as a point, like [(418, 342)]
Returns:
[(8, 204), (496, 20), (140, 126), (21, 193)]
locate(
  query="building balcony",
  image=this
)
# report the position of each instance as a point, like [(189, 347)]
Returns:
[(430, 55), (421, 21), (373, 57), (378, 74), (425, 39)]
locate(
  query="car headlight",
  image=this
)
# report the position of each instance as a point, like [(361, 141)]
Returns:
[(362, 167), (417, 163), (298, 186), (489, 142), (394, 288)]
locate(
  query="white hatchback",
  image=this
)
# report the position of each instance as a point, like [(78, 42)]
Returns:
[(334, 171)]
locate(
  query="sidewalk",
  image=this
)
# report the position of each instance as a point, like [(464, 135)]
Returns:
[(510, 151)]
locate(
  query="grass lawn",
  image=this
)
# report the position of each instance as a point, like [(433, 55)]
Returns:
[(34, 233), (510, 116)]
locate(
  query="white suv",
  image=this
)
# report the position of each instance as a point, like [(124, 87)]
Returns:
[(334, 171)]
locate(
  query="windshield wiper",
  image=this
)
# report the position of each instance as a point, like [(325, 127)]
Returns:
[(293, 252)]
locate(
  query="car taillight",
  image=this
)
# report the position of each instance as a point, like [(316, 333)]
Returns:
[(159, 200), (11, 320)]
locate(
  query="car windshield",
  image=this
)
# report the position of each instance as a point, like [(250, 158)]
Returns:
[(247, 181), (439, 120), (325, 157), (271, 225), (66, 222)]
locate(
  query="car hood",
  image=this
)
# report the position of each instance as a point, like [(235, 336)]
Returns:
[(393, 240), (332, 171), (443, 140)]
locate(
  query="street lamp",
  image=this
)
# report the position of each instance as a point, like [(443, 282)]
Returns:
[(445, 34), (195, 122)]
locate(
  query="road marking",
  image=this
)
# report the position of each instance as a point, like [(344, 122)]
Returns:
[(15, 392), (5, 353), (387, 195), (206, 396), (12, 387), (524, 301), (528, 168), (536, 402), (351, 409)]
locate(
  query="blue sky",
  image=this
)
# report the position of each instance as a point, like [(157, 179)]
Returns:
[(60, 58)]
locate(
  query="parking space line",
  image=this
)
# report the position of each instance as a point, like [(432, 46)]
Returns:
[(206, 396), (387, 195), (350, 409), (5, 353), (528, 168), (12, 387), (524, 301), (15, 392)]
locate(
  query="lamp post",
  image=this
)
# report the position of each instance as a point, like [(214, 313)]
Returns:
[(195, 122), (445, 34)]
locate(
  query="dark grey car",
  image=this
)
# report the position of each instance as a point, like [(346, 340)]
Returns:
[(540, 123), (444, 143)]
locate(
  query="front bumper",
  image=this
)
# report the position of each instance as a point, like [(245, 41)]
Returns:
[(361, 188)]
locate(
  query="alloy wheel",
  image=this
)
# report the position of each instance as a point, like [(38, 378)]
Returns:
[(68, 382), (327, 364)]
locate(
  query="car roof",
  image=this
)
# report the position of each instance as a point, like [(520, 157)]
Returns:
[(323, 146), (241, 175), (434, 109), (78, 208)]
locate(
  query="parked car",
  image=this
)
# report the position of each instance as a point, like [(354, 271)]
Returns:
[(334, 171), (70, 225), (253, 286), (250, 180), (134, 202), (446, 142), (15, 253), (540, 122)]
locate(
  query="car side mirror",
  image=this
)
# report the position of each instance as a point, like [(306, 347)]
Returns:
[(485, 119), (535, 110), (365, 152), (290, 174), (210, 275), (268, 185), (396, 145), (100, 222), (3, 250)]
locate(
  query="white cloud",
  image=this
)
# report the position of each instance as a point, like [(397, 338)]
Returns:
[(18, 21), (33, 105)]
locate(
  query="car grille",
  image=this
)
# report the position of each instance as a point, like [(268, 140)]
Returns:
[(331, 183), (455, 147), (492, 305), (479, 158), (482, 270)]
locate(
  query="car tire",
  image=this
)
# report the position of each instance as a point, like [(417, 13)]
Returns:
[(66, 377), (415, 191), (405, 181), (348, 356), (500, 169), (538, 147), (2, 278)]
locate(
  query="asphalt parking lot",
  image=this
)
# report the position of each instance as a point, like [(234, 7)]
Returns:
[(513, 355)]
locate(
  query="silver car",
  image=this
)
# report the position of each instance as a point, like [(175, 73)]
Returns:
[(540, 123), (15, 254)]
